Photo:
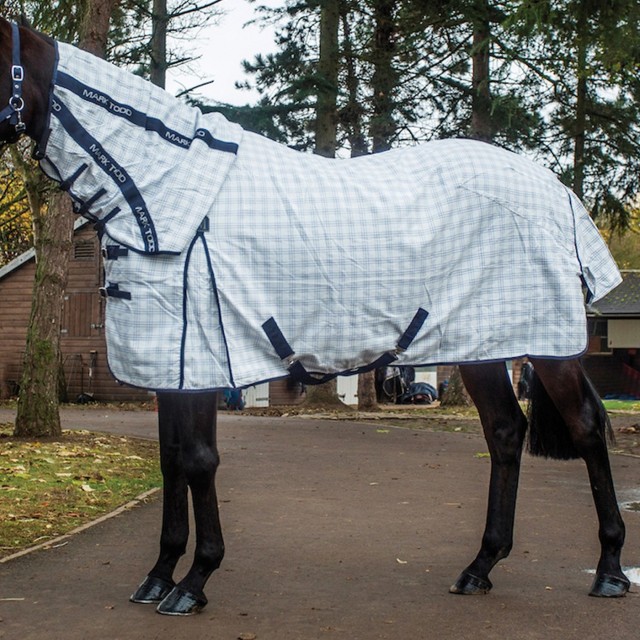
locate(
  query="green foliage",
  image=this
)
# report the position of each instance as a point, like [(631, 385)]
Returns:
[(15, 222), (564, 82)]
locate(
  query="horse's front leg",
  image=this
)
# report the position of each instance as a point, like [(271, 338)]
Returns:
[(199, 456), (504, 427), (172, 410)]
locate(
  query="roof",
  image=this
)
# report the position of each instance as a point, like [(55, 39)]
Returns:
[(623, 301), (29, 254)]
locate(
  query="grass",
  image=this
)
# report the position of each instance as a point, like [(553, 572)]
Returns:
[(630, 406), (49, 487)]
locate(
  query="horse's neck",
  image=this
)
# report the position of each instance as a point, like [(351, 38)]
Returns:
[(38, 59)]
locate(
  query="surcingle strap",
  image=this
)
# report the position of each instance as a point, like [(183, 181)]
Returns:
[(298, 372)]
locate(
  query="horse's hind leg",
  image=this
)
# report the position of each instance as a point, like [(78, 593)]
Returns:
[(582, 413), (504, 427)]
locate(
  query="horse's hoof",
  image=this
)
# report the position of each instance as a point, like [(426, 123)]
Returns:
[(152, 590), (470, 585), (181, 603), (608, 586)]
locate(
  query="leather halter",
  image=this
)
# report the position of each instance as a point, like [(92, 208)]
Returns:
[(13, 111)]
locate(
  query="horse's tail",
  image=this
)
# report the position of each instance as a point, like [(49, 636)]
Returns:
[(549, 435)]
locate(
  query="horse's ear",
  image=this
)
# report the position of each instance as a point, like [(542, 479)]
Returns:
[(24, 21)]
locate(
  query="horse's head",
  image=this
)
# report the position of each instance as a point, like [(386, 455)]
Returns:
[(26, 67)]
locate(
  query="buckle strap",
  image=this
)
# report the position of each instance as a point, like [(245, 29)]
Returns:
[(114, 291), (114, 251), (83, 208), (298, 372), (65, 185)]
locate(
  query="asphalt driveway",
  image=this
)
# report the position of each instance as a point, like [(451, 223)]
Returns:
[(339, 530)]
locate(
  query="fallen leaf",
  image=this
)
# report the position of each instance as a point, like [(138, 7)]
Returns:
[(87, 488)]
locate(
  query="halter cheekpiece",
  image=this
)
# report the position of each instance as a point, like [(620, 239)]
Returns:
[(13, 111)]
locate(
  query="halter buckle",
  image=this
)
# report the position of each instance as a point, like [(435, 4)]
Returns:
[(17, 73)]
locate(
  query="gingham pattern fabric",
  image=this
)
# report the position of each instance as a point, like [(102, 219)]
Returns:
[(338, 254)]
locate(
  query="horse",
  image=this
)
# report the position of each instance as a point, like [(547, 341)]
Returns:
[(566, 417)]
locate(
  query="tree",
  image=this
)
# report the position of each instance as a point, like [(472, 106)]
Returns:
[(585, 55), (38, 403), (327, 80), (141, 39), (16, 235), (456, 395), (326, 395)]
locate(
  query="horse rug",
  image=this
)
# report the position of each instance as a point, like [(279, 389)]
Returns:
[(231, 259)]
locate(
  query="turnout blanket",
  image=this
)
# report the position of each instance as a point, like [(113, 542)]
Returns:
[(230, 259)]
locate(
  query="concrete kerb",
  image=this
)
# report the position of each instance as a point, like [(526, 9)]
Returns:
[(60, 541)]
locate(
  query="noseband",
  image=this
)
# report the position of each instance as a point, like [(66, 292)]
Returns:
[(13, 111)]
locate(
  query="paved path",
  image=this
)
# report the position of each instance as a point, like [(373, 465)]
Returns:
[(338, 530)]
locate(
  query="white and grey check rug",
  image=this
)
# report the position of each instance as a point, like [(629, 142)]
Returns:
[(226, 252)]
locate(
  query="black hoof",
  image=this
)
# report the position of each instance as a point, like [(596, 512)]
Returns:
[(608, 586), (152, 590), (181, 603), (470, 585)]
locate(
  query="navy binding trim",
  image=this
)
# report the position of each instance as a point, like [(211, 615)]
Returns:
[(114, 171), (217, 296), (298, 372), (140, 119)]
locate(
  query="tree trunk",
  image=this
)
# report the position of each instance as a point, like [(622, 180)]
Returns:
[(38, 403), (326, 109), (367, 400), (580, 124), (384, 79), (38, 413), (382, 129), (352, 114), (326, 395), (160, 20), (95, 26), (456, 395), (481, 124)]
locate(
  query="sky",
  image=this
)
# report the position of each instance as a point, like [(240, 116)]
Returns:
[(222, 47)]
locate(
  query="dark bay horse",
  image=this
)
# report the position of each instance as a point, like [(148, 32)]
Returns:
[(566, 420)]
